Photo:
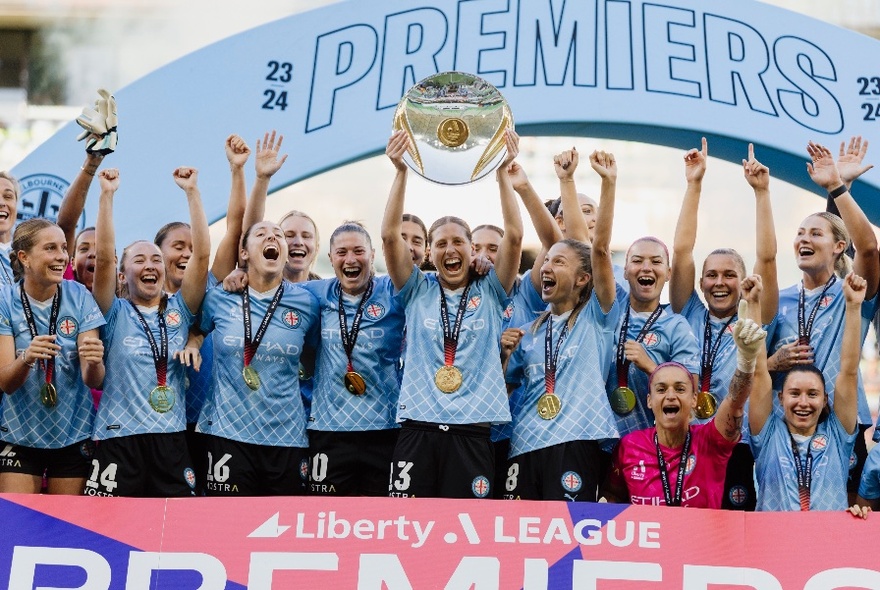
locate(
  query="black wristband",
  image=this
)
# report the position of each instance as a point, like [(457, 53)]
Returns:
[(838, 191)]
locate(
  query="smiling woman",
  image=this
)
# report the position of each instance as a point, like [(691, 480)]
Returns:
[(253, 416), (48, 414), (676, 463), (450, 393), (141, 417)]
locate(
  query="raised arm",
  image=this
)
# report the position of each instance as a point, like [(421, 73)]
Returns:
[(237, 152), (604, 285), (823, 171), (750, 339), (576, 227), (74, 201), (507, 261), (397, 257), (104, 283), (683, 276), (758, 177), (545, 226), (267, 162), (195, 277), (846, 386)]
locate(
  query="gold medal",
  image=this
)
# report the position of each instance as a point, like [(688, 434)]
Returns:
[(48, 395), (162, 398), (354, 383), (549, 406), (447, 378), (251, 377), (707, 405), (623, 401), (452, 132)]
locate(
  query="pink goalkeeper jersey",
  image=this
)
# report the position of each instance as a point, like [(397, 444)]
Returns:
[(636, 469)]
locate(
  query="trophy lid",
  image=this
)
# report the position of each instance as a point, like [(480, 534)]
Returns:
[(456, 123)]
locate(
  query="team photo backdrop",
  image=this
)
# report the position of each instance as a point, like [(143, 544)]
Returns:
[(329, 80)]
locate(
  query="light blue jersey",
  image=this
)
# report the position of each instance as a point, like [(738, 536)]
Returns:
[(481, 397), (6, 275), (776, 473), (131, 373), (273, 414), (376, 357), (826, 337), (25, 420), (525, 303), (669, 339), (524, 308), (583, 359), (198, 383), (869, 487), (724, 365)]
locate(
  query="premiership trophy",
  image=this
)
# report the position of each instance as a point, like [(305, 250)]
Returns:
[(456, 123)]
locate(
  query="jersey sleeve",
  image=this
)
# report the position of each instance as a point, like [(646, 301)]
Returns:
[(869, 487), (91, 314), (414, 284), (5, 313), (209, 308), (684, 346)]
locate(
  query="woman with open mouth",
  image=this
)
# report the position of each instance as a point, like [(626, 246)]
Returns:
[(141, 418), (453, 387), (676, 463), (711, 319), (561, 413), (802, 457), (50, 355), (811, 313), (648, 334), (352, 427), (253, 418)]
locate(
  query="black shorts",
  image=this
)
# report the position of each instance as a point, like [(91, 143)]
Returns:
[(71, 461), (142, 466), (350, 463), (195, 442), (739, 482), (502, 464), (442, 461), (568, 471), (242, 469), (857, 461)]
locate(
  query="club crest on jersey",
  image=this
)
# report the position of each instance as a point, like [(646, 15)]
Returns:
[(290, 318), (87, 449), (826, 301), (480, 486), (819, 442), (190, 476), (172, 318), (508, 311), (67, 326), (474, 302), (738, 495), (651, 339), (304, 469), (571, 481), (374, 311), (691, 463)]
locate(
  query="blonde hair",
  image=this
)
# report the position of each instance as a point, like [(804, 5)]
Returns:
[(843, 264)]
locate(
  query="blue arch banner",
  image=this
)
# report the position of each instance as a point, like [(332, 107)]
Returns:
[(655, 71)]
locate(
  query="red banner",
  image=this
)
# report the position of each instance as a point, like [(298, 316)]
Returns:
[(53, 542)]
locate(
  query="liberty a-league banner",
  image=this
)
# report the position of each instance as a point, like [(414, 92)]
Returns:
[(402, 544), (659, 71)]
